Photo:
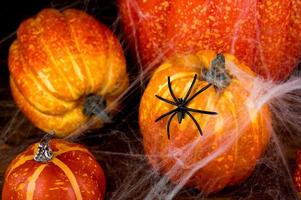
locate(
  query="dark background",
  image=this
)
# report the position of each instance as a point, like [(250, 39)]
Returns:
[(118, 146)]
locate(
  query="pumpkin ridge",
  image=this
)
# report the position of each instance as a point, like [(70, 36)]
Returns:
[(38, 117), (108, 65), (225, 179), (235, 114), (111, 79), (68, 43), (28, 69), (19, 163), (32, 182), (73, 91), (82, 70), (39, 79), (70, 175), (43, 82), (115, 83), (48, 93), (75, 65), (61, 152), (85, 67), (208, 106), (41, 111), (21, 159)]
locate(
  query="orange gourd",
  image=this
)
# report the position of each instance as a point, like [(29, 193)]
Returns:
[(265, 35), (72, 173), (61, 65), (232, 141)]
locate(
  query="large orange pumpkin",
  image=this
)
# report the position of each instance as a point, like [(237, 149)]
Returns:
[(232, 141), (61, 62), (266, 35), (71, 174)]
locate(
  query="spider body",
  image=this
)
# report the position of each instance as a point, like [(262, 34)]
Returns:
[(181, 106), (181, 110)]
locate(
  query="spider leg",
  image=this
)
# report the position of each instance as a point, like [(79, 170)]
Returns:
[(201, 111), (171, 91), (166, 114), (190, 88), (197, 93), (195, 122), (166, 100), (168, 124)]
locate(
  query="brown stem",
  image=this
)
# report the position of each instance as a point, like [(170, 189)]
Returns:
[(95, 105), (44, 152), (217, 74)]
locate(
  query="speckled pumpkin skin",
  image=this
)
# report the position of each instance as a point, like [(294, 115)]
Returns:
[(57, 60), (72, 174), (265, 35), (234, 139)]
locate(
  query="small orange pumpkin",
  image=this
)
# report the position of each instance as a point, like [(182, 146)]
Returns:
[(70, 172), (62, 61), (232, 140)]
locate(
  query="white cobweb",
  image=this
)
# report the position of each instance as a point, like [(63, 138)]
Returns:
[(119, 147)]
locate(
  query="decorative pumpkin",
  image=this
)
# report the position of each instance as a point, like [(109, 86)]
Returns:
[(70, 172), (234, 134), (265, 35), (297, 174), (62, 66)]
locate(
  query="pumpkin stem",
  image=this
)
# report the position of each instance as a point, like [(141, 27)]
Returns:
[(217, 74), (96, 105), (44, 152)]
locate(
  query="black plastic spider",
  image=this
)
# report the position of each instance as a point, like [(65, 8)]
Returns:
[(181, 106)]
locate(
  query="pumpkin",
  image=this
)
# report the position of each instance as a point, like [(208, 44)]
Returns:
[(265, 35), (69, 172), (232, 140), (64, 67)]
